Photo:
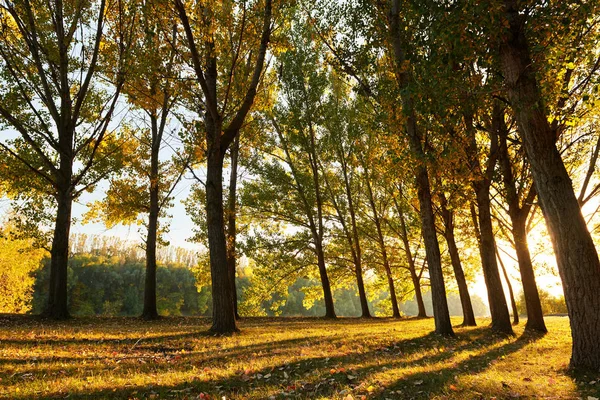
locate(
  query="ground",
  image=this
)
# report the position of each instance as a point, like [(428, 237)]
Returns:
[(127, 358)]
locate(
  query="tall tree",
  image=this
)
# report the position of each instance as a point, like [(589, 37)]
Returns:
[(225, 41), (391, 14), (146, 183), (53, 99), (576, 254)]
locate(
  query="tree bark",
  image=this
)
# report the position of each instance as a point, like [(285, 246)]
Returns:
[(150, 311), (463, 289), (231, 222), (223, 311), (57, 307), (576, 255)]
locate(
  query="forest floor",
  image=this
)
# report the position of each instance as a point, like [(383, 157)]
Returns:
[(126, 358)]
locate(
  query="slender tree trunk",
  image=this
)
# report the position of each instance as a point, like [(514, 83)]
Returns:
[(432, 250), (487, 243), (327, 296), (518, 217), (362, 294), (463, 289), (511, 293), (231, 222), (316, 227), (441, 316), (421, 312), (576, 254), (416, 280), (59, 259), (382, 247), (150, 310), (487, 250), (223, 312), (535, 315)]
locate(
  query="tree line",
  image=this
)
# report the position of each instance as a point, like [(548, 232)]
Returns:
[(365, 142)]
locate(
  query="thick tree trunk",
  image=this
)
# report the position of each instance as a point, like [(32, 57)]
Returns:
[(518, 217), (463, 289), (59, 259), (231, 222), (223, 312), (576, 254)]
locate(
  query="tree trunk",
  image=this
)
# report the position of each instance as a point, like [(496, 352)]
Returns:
[(441, 316), (518, 217), (487, 243), (382, 248), (576, 254), (231, 222), (362, 294), (59, 259), (150, 311), (327, 296), (422, 313), (487, 251), (463, 289), (223, 312), (511, 293), (432, 250), (535, 315)]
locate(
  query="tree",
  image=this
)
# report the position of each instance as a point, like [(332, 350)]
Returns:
[(399, 43), (576, 255), (51, 61), (146, 184), (224, 108)]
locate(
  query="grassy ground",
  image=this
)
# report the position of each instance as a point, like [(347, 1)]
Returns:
[(283, 358)]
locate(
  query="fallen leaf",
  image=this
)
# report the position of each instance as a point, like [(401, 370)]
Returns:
[(417, 383)]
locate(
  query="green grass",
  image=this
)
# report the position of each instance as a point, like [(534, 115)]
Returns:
[(283, 358)]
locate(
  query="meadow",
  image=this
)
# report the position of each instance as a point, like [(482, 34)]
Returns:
[(175, 358)]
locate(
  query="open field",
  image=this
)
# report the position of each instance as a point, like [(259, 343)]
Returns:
[(283, 358)]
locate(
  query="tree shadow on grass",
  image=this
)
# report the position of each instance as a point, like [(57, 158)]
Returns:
[(321, 376)]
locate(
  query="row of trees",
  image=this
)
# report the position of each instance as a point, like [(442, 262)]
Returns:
[(362, 127)]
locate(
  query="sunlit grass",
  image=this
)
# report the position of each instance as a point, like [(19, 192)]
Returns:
[(283, 358)]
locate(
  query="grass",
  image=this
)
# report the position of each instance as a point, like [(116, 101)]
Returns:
[(126, 358)]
